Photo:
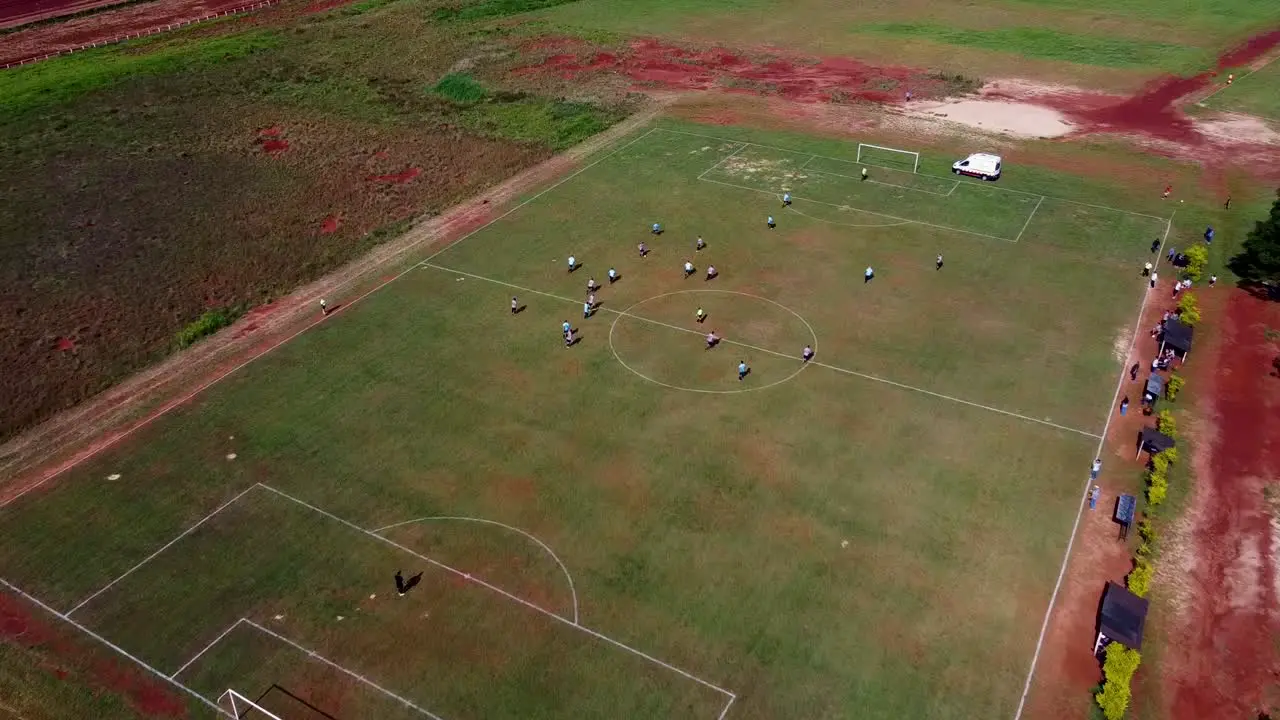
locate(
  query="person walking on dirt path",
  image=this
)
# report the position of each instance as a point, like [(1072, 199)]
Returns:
[(1146, 270), (742, 370), (1133, 372), (324, 308), (938, 264), (699, 244), (1095, 468), (1124, 406), (868, 275)]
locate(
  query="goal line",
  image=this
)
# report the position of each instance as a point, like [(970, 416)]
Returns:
[(879, 155)]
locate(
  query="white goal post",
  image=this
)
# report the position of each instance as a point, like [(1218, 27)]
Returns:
[(240, 707), (912, 157)]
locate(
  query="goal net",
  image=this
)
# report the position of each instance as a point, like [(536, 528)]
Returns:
[(887, 157), (242, 708)]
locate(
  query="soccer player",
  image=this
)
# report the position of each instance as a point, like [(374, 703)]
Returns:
[(688, 268), (1146, 269), (700, 244), (786, 199), (771, 223), (701, 315), (591, 285), (1155, 246), (613, 276), (712, 339), (586, 310), (515, 305), (742, 370), (867, 275), (565, 327), (591, 299), (568, 338), (573, 263), (657, 229), (864, 173), (324, 307), (644, 249), (807, 354), (1208, 235), (711, 271), (1171, 254), (938, 265), (1168, 190)]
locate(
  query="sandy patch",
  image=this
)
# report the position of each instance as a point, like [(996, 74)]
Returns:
[(1000, 116), (1236, 128)]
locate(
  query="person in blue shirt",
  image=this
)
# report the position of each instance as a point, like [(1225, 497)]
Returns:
[(657, 229), (786, 199), (1208, 235), (565, 327), (771, 223)]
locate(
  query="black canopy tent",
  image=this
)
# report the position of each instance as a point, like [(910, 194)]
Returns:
[(1153, 441), (1120, 618), (1177, 337), (1154, 389)]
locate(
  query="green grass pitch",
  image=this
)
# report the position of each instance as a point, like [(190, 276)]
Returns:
[(622, 528)]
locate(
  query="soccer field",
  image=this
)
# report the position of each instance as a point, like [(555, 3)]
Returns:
[(622, 528)]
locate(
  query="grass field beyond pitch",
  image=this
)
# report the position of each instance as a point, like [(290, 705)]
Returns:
[(622, 528)]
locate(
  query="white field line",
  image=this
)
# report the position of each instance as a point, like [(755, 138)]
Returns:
[(547, 548), (354, 675), (1066, 557), (984, 186), (727, 705), (723, 160), (67, 619), (178, 402), (806, 162), (775, 353), (1205, 99), (869, 212), (471, 578), (881, 182), (166, 546), (1027, 224), (206, 648)]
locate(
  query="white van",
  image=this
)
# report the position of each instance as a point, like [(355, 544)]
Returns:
[(979, 165)]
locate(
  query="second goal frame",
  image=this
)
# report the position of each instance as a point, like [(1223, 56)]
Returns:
[(915, 156)]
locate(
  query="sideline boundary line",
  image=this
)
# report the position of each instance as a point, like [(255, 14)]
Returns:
[(767, 351), (1075, 527), (166, 408), (500, 591), (992, 188), (67, 619), (563, 568), (164, 547)]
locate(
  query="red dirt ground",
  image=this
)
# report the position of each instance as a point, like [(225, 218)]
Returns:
[(21, 12), (1222, 658), (651, 63), (1067, 669), (330, 224), (401, 177), (20, 625), (109, 25)]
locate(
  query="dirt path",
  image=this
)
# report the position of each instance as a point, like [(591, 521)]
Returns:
[(1221, 658), (32, 459)]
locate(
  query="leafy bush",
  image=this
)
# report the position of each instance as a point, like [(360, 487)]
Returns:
[(1119, 668), (209, 323), (1157, 490), (1166, 424), (1174, 386), (1189, 309), (1147, 530), (1139, 580), (1197, 259), (1170, 454), (460, 88), (1144, 552)]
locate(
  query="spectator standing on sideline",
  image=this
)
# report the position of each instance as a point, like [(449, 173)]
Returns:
[(1173, 252), (1155, 277), (1124, 406), (324, 307), (1133, 372), (1095, 468), (1094, 495)]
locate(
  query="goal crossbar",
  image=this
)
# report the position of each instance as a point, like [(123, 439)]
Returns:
[(915, 156), (238, 707)]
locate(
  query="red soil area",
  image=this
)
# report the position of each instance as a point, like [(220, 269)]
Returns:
[(112, 25), (1221, 657), (21, 12), (20, 626), (330, 224), (651, 63), (65, 344), (401, 177), (274, 147)]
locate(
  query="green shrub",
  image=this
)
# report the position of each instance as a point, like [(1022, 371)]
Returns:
[(207, 324), (1139, 580), (1166, 424), (1174, 386), (1145, 551), (1197, 259), (1157, 490), (1170, 454), (1147, 530), (1119, 668), (460, 88), (1189, 309)]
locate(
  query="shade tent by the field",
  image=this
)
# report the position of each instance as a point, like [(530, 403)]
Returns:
[(1153, 441), (1177, 337), (1155, 386), (1120, 618)]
